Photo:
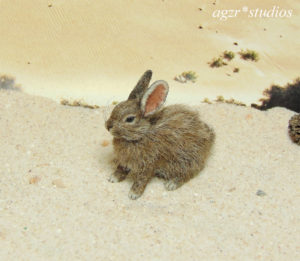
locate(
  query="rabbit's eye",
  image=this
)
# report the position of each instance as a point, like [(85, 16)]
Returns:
[(130, 119)]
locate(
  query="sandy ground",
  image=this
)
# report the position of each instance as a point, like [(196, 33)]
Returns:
[(56, 202), (97, 50)]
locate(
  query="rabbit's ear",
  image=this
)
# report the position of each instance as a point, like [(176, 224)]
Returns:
[(154, 97), (141, 86)]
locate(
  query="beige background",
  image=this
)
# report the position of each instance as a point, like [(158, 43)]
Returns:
[(97, 50)]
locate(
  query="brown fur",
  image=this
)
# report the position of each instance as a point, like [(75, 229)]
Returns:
[(173, 143), (294, 128)]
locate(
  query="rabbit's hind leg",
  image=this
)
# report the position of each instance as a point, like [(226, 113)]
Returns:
[(173, 184), (176, 182)]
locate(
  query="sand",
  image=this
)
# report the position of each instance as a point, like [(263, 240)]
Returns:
[(97, 50), (56, 202)]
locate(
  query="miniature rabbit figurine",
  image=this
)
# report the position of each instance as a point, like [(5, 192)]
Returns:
[(171, 143)]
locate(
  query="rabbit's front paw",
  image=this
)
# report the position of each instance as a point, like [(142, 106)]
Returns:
[(138, 187), (118, 176), (171, 185), (133, 195), (113, 178)]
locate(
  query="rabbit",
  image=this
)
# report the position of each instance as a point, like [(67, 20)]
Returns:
[(171, 143)]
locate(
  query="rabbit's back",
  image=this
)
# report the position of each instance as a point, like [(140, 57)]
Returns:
[(182, 140), (180, 122)]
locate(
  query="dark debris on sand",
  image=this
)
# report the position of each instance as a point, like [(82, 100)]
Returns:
[(8, 83), (277, 96)]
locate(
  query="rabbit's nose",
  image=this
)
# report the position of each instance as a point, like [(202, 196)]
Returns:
[(109, 125)]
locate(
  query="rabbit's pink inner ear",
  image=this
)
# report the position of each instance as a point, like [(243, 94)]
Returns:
[(155, 99)]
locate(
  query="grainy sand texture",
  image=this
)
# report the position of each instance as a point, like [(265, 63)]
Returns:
[(56, 202)]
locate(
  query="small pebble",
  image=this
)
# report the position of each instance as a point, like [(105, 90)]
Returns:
[(236, 70), (260, 193), (58, 183), (249, 116), (34, 180), (231, 189), (105, 143)]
